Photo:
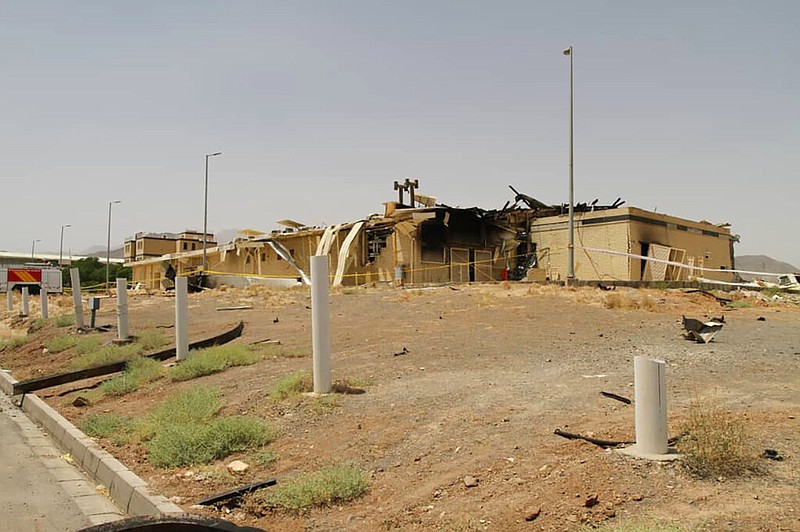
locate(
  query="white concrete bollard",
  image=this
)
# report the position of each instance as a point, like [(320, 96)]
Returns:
[(181, 318), (43, 294), (320, 324), (25, 307), (75, 281), (9, 299), (650, 389), (122, 309)]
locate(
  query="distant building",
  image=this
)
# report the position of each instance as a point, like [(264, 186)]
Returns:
[(147, 245), (428, 243)]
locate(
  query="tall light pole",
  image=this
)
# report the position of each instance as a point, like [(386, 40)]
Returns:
[(33, 247), (205, 211), (108, 245), (571, 246), (61, 246)]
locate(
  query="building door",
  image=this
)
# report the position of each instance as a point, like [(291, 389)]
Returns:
[(459, 265), (483, 266)]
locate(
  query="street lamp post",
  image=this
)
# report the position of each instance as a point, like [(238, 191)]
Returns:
[(571, 245), (205, 211), (108, 244), (61, 246), (33, 248)]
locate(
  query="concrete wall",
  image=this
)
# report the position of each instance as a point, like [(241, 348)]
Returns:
[(708, 244), (551, 236), (625, 230), (153, 247), (620, 230)]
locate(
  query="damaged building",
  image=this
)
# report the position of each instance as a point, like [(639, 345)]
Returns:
[(418, 241)]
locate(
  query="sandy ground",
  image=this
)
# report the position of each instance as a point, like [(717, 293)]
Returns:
[(488, 373)]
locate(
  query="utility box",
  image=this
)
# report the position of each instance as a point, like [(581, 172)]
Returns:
[(94, 306)]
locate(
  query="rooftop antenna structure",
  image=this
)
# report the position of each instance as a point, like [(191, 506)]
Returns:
[(410, 186)]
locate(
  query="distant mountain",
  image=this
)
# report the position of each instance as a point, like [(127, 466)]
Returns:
[(100, 251), (762, 263)]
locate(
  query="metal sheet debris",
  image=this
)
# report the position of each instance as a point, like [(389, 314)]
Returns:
[(702, 331)]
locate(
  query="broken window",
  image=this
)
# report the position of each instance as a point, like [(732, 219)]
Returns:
[(376, 241), (433, 235)]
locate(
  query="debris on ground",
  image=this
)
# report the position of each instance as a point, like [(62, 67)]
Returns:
[(617, 397), (702, 331), (772, 454), (236, 492), (600, 443)]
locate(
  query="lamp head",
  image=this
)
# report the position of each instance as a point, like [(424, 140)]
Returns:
[(567, 51)]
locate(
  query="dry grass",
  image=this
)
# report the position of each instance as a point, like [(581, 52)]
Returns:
[(12, 342), (717, 443), (638, 525), (291, 386), (630, 301), (137, 372), (329, 485), (212, 360)]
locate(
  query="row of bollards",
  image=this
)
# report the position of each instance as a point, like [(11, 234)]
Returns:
[(320, 322), (25, 303), (649, 374)]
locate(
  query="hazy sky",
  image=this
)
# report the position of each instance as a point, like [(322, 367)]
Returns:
[(689, 108)]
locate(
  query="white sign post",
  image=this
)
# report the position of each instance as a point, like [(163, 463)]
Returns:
[(181, 318), (122, 309), (320, 324), (75, 280)]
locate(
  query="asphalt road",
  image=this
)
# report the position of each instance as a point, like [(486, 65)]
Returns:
[(39, 489)]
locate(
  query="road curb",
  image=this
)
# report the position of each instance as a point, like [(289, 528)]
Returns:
[(125, 488)]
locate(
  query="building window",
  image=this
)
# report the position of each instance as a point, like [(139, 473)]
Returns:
[(373, 241), (263, 257), (433, 237), (707, 255), (185, 246), (193, 246)]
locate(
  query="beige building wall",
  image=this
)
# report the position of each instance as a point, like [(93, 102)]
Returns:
[(360, 270), (632, 231), (551, 236), (705, 245), (622, 231), (148, 246)]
